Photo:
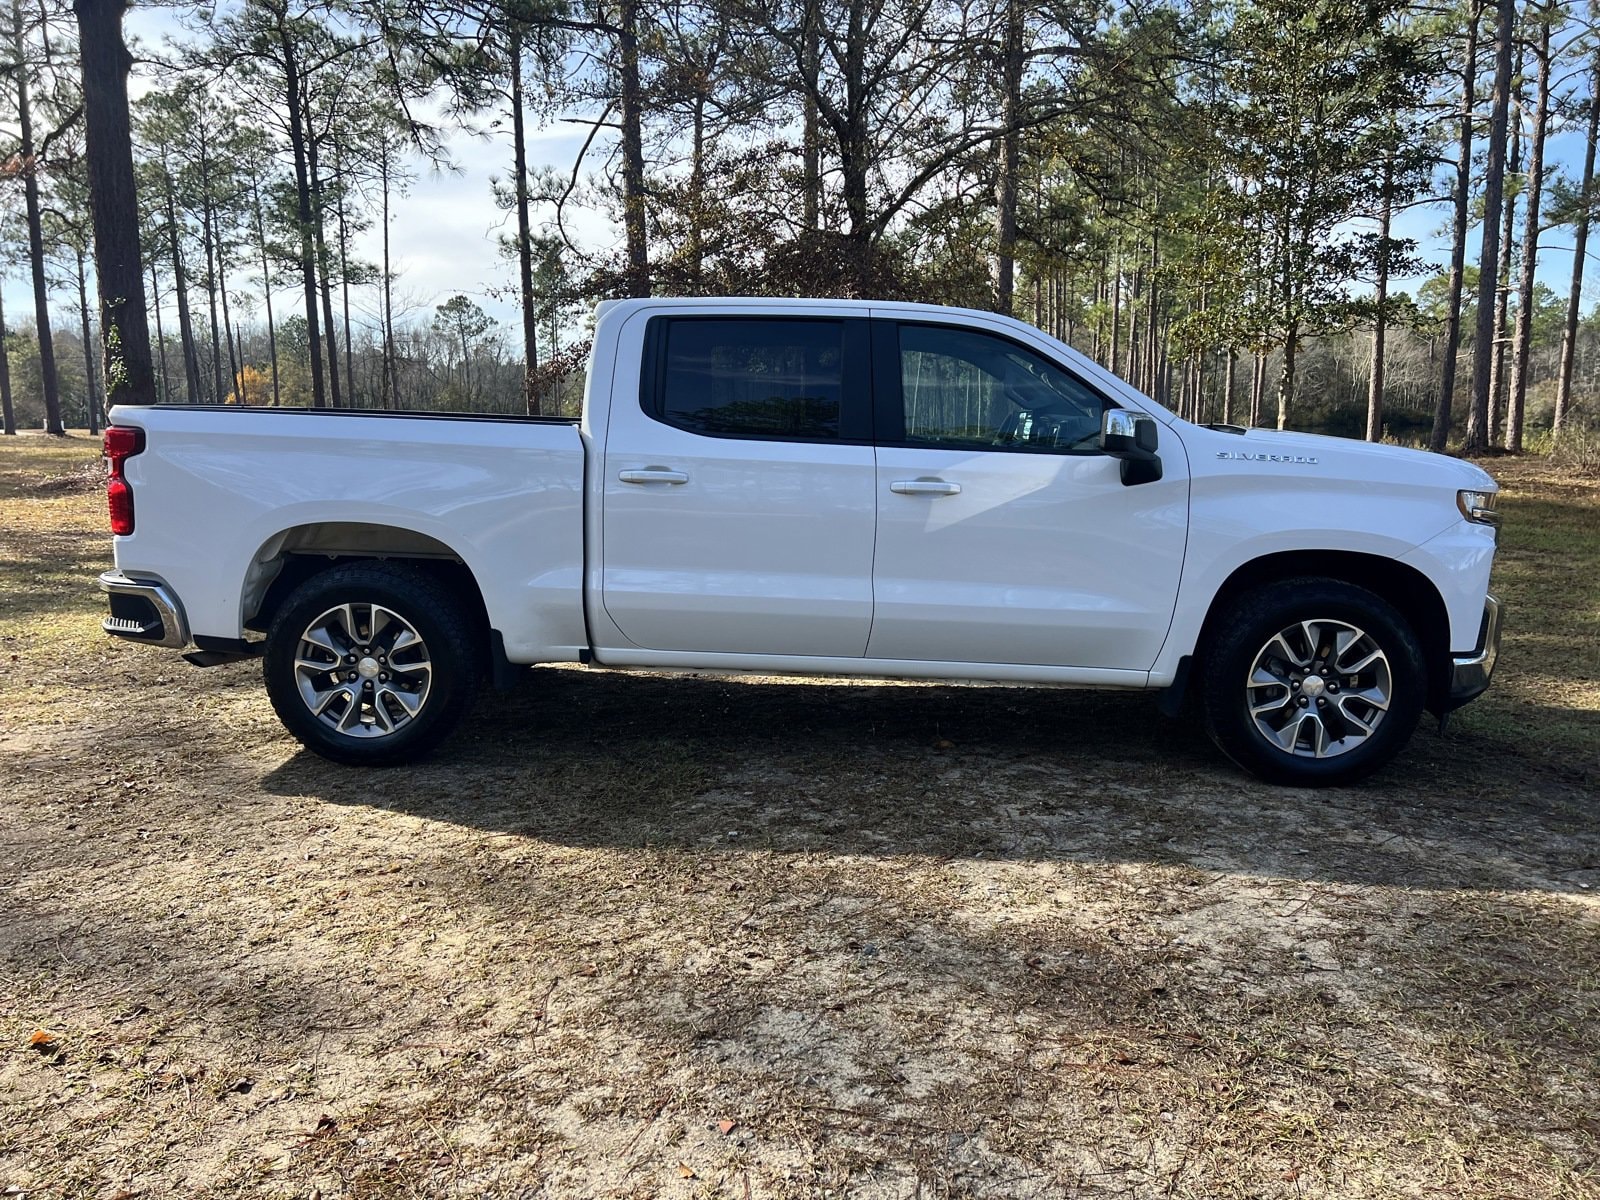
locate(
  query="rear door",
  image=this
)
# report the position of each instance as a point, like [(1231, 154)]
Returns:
[(1004, 534), (739, 492)]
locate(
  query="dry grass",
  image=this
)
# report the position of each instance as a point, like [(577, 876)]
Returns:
[(910, 941)]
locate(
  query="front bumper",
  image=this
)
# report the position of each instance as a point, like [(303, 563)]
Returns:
[(143, 610), (1470, 673)]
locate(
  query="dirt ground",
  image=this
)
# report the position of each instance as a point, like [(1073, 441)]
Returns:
[(636, 936)]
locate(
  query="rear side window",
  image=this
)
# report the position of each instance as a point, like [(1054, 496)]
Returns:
[(753, 377)]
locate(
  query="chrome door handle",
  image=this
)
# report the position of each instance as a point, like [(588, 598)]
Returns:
[(653, 475), (925, 487)]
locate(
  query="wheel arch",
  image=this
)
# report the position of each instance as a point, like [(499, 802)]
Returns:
[(1412, 594), (290, 557)]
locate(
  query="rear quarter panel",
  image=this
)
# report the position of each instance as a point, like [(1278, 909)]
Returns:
[(214, 488)]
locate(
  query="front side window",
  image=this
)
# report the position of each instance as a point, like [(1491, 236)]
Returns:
[(757, 378), (964, 389)]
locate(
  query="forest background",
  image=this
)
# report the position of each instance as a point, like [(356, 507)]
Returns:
[(1368, 218)]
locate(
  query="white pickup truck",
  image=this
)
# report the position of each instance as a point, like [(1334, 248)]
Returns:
[(817, 487)]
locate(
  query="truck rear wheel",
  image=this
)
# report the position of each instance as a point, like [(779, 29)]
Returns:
[(371, 663), (1312, 682)]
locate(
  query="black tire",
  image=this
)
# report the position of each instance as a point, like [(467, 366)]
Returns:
[(1236, 640), (450, 644)]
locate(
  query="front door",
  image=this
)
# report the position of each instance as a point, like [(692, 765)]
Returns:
[(739, 493), (1004, 534)]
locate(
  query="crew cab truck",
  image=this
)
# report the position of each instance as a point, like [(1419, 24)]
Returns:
[(818, 487)]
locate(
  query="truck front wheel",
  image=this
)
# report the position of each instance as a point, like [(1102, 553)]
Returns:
[(1312, 682), (371, 663)]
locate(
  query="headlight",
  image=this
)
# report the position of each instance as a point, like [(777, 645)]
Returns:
[(1478, 507)]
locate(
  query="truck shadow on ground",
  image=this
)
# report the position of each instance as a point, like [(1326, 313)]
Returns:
[(712, 764)]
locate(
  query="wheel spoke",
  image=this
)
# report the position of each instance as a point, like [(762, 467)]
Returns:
[(1285, 652), (381, 619), (323, 640), (1350, 718), (1269, 706), (328, 697), (1378, 698), (351, 717), (1356, 668), (380, 715), (1319, 735), (409, 701), (1308, 630)]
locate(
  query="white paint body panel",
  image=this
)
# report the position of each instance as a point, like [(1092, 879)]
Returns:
[(213, 488), (1040, 560), (796, 557), (766, 548)]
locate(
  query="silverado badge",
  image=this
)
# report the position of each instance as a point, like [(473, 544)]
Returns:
[(1303, 460)]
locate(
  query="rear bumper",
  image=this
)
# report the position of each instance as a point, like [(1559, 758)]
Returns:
[(1469, 676), (143, 610)]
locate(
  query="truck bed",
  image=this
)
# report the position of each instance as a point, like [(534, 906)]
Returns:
[(247, 486)]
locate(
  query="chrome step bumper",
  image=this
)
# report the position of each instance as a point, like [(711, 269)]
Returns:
[(143, 610)]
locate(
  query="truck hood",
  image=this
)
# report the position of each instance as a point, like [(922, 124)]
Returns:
[(1370, 462)]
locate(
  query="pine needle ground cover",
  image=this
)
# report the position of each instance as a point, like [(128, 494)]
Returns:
[(692, 937)]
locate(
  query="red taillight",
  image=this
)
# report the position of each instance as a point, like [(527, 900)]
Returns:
[(122, 442), (120, 498)]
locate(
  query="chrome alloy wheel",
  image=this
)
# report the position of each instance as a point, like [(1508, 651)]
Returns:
[(1319, 688), (363, 670)]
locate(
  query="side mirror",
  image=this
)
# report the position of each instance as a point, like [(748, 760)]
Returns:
[(1132, 437)]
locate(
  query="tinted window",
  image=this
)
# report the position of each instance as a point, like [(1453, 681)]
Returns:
[(754, 378), (968, 389)]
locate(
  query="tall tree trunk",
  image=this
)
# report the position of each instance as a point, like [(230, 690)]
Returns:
[(239, 380), (30, 189), (1258, 376), (1148, 371), (344, 277), (1227, 386), (1569, 332), (302, 194), (8, 413), (1502, 293), (324, 262), (1291, 345), (180, 284), (631, 96), (1291, 326), (114, 203), (1380, 327), (697, 194), (165, 394), (218, 395), (266, 288), (1005, 190), (1135, 289), (1477, 440), (810, 135), (1116, 307), (519, 157), (1458, 240), (390, 386), (855, 159), (91, 385), (1520, 364), (235, 361)]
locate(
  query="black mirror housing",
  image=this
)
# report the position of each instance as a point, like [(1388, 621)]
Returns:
[(1132, 437)]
